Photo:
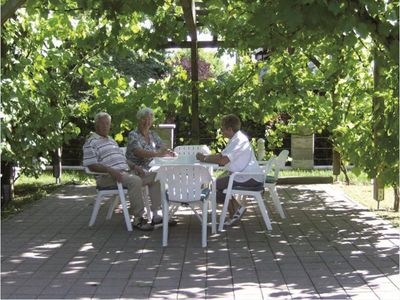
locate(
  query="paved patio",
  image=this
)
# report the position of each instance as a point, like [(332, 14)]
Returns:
[(328, 247)]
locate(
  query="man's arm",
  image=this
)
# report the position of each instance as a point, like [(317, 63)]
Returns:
[(138, 152), (114, 173), (213, 158)]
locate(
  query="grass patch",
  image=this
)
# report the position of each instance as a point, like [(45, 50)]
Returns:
[(363, 194), (30, 189), (360, 190), (357, 179)]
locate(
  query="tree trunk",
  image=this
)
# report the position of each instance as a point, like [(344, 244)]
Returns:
[(57, 166), (336, 163), (7, 182), (344, 170), (378, 112), (9, 8), (396, 198)]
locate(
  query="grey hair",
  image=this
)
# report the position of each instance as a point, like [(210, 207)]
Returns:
[(102, 115), (143, 112)]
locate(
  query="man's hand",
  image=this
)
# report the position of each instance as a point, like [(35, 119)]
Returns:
[(139, 171), (200, 156), (116, 174)]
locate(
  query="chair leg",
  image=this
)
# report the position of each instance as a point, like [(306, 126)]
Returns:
[(165, 208), (193, 208), (241, 199), (223, 213), (264, 211), (113, 204), (213, 210), (204, 224), (96, 208), (173, 210), (275, 199), (124, 206)]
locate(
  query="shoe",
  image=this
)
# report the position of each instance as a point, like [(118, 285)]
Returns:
[(238, 215), (172, 222), (142, 224), (228, 221), (157, 220)]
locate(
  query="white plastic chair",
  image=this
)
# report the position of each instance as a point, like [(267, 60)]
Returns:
[(275, 164), (187, 153), (119, 193), (187, 184), (190, 150), (242, 191)]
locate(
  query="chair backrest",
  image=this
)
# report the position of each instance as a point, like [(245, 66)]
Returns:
[(268, 165), (192, 149), (280, 161), (184, 183)]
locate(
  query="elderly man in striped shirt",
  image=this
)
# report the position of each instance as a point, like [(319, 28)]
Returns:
[(102, 154)]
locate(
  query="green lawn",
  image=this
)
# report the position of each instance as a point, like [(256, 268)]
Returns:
[(363, 195), (360, 179), (30, 189)]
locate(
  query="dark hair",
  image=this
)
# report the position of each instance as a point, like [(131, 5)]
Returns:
[(231, 121)]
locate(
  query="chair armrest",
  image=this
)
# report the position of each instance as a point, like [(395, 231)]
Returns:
[(234, 174), (87, 171), (247, 174)]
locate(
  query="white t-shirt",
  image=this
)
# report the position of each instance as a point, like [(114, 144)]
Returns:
[(241, 157)]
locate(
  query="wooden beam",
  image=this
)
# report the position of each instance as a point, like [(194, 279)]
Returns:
[(189, 13), (200, 44)]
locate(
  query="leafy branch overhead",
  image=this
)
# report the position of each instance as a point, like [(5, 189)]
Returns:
[(63, 61)]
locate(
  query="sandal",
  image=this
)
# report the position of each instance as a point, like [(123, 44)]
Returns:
[(238, 215), (142, 224), (157, 220)]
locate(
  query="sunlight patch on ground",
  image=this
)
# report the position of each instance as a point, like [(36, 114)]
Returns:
[(86, 247)]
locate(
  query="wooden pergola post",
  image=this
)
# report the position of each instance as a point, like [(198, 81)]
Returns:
[(189, 12), (195, 94)]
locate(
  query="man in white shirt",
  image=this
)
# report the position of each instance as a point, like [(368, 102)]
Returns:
[(238, 156)]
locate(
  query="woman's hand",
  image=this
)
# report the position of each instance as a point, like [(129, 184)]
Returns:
[(166, 152)]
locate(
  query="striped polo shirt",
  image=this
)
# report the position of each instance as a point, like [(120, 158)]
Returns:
[(105, 151)]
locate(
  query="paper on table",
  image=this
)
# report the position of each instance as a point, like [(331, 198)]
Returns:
[(181, 159)]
